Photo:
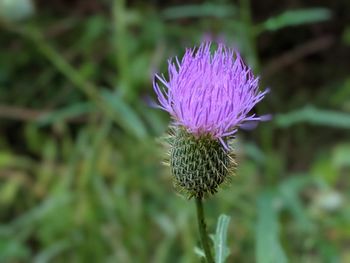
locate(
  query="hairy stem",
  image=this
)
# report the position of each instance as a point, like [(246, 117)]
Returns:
[(203, 231)]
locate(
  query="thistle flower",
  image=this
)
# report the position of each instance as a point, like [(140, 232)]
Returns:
[(209, 96)]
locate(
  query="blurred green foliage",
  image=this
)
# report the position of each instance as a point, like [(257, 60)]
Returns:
[(81, 178)]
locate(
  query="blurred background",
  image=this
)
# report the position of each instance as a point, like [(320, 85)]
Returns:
[(81, 178)]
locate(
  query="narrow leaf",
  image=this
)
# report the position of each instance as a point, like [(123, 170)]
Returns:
[(220, 239), (69, 112), (124, 113), (315, 116), (294, 18), (268, 247)]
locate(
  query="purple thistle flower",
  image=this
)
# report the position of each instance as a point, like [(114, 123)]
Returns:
[(209, 94)]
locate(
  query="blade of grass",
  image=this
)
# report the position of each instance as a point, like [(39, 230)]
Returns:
[(315, 116), (294, 18), (268, 247)]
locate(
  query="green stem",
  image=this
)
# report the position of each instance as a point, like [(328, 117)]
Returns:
[(120, 43), (251, 34), (203, 231)]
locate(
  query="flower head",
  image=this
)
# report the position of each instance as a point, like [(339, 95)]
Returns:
[(209, 96), (209, 93)]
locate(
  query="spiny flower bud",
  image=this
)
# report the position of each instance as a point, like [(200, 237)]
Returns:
[(199, 165), (209, 97)]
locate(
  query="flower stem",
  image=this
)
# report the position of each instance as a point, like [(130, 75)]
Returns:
[(203, 231)]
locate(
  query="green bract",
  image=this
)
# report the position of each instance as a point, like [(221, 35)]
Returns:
[(199, 164)]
